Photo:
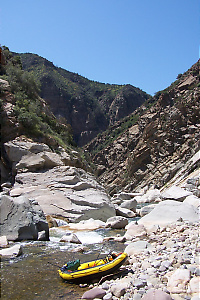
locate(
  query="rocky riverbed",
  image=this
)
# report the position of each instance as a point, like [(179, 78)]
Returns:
[(166, 260)]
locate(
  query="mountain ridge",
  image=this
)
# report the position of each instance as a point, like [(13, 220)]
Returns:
[(88, 106)]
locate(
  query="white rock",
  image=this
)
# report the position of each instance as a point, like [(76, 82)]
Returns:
[(96, 292), (178, 280), (134, 231), (192, 200), (90, 224), (22, 218), (54, 190), (154, 294), (70, 238), (136, 247), (123, 196), (150, 196), (169, 211), (194, 285), (15, 250), (118, 289), (3, 241), (175, 193), (108, 296)]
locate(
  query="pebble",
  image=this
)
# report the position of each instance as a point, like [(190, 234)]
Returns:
[(174, 249)]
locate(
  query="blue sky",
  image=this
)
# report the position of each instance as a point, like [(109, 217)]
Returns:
[(146, 43)]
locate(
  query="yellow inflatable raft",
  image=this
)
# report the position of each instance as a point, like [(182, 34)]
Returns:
[(88, 271)]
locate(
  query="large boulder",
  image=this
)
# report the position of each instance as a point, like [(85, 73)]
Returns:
[(175, 193), (168, 212), (66, 191), (20, 147), (22, 219)]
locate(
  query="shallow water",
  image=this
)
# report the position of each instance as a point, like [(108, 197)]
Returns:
[(34, 274)]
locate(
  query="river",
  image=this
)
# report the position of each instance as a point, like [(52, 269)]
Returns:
[(34, 275)]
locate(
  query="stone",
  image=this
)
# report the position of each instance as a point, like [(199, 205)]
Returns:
[(129, 204), (175, 193), (147, 209), (96, 292), (51, 221), (192, 200), (31, 162), (105, 286), (64, 191), (136, 247), (117, 222), (194, 285), (3, 241), (51, 159), (169, 211), (154, 294), (19, 147), (90, 224), (42, 235), (153, 195), (139, 283), (118, 289), (71, 238), (22, 219), (123, 196), (137, 297), (4, 85), (108, 296), (15, 250), (178, 280), (133, 231), (124, 212)]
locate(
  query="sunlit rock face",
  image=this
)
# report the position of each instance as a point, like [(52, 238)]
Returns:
[(50, 179)]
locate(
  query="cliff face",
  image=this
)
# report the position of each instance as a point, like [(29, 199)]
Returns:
[(153, 149), (89, 107)]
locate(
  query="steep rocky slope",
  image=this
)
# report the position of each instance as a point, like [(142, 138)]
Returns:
[(153, 144), (89, 107)]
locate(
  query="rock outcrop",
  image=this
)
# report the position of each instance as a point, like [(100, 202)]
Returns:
[(49, 178), (158, 145)]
